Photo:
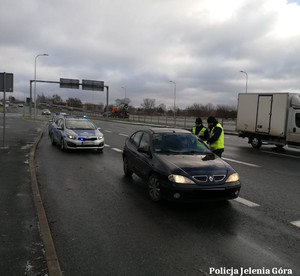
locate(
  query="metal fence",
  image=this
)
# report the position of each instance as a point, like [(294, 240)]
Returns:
[(182, 122)]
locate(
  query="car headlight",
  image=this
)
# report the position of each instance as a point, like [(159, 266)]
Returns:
[(180, 179), (233, 177), (71, 136), (100, 137)]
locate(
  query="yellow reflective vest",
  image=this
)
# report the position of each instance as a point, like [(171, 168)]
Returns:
[(201, 132), (219, 144)]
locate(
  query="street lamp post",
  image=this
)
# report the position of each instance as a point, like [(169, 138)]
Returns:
[(246, 78), (124, 90), (35, 82), (174, 100)]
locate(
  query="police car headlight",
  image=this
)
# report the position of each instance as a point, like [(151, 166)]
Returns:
[(100, 137), (71, 136), (180, 179), (233, 177)]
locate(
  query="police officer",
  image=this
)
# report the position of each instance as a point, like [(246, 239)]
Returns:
[(216, 136), (200, 130)]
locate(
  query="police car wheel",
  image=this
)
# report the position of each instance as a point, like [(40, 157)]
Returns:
[(52, 139), (62, 145)]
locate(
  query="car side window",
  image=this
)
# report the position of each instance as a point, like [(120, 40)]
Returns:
[(145, 141), (137, 138), (60, 123), (56, 120)]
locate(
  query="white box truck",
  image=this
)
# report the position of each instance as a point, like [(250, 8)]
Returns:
[(272, 118)]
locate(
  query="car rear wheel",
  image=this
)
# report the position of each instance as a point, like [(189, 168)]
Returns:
[(127, 171), (154, 188)]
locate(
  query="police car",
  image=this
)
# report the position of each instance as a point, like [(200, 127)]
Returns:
[(71, 132)]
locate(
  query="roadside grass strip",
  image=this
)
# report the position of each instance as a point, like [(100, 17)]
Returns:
[(246, 202)]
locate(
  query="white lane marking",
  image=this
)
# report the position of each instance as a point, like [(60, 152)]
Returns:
[(109, 131), (276, 153), (240, 162), (106, 145), (246, 202), (117, 150), (121, 134), (296, 223)]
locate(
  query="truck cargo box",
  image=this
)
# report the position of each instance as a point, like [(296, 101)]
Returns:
[(264, 113)]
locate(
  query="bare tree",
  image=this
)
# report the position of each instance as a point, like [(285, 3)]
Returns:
[(148, 105)]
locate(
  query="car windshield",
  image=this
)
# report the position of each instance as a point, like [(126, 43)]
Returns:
[(178, 143), (79, 124)]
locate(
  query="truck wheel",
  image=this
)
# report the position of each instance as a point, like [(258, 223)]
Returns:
[(256, 143)]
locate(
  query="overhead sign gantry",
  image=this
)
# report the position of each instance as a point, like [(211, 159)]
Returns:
[(93, 85)]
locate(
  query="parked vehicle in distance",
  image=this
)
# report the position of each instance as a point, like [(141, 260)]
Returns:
[(272, 118), (46, 112), (178, 166), (75, 133)]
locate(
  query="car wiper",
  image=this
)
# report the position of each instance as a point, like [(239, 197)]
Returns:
[(168, 151), (196, 152)]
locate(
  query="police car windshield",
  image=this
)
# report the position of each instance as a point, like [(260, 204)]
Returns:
[(180, 143), (79, 124)]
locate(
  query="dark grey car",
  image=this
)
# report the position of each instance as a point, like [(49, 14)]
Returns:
[(178, 166)]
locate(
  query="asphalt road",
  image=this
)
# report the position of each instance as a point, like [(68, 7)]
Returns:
[(104, 224)]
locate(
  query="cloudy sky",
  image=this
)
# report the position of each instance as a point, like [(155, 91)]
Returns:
[(201, 45)]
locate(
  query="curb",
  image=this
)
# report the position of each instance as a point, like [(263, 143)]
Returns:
[(50, 252)]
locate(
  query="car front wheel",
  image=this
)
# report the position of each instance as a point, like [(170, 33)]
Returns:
[(154, 188), (126, 169), (62, 145), (52, 139)]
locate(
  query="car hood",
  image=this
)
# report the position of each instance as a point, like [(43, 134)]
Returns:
[(195, 164)]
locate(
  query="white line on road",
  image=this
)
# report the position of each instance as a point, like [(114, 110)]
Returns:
[(121, 134), (106, 145), (240, 162), (296, 223), (276, 153), (117, 150), (109, 131), (246, 202)]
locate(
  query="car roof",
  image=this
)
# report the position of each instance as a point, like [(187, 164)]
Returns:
[(76, 118), (155, 130)]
